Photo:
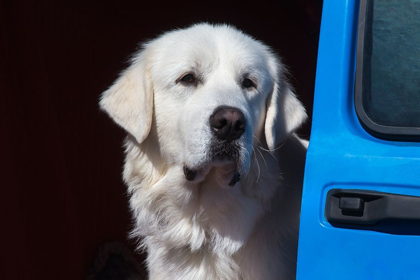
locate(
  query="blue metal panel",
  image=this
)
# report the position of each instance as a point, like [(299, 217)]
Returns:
[(343, 155)]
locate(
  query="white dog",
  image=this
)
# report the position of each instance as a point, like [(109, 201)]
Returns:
[(212, 195)]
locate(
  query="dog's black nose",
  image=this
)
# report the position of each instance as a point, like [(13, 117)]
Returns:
[(227, 123)]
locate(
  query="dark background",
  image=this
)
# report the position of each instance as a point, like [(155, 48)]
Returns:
[(61, 158)]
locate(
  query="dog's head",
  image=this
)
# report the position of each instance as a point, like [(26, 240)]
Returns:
[(211, 92)]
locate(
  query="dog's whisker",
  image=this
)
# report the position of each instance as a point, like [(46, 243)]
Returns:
[(267, 150), (258, 165), (265, 163), (273, 150), (262, 157), (269, 153)]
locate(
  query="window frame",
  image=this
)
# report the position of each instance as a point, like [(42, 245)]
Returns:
[(379, 131)]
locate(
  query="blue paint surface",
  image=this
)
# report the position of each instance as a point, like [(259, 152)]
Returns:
[(343, 155)]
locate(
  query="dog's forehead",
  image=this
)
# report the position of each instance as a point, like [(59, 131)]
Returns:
[(207, 46)]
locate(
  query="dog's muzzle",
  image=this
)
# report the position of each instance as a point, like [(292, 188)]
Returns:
[(228, 125)]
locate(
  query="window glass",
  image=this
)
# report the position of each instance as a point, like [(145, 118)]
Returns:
[(391, 63)]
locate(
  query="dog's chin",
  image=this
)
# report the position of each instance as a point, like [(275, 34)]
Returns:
[(224, 167), (224, 163)]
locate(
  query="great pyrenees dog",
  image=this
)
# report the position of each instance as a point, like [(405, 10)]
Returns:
[(213, 166)]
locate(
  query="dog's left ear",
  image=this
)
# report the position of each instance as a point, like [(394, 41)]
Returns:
[(285, 113)]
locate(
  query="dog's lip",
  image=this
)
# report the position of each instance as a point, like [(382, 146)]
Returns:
[(190, 174), (235, 179)]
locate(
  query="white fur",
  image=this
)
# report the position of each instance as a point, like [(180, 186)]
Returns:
[(205, 229)]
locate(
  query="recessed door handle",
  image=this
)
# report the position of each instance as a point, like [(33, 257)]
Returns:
[(370, 207)]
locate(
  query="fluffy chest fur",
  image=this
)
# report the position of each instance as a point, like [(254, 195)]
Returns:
[(203, 231)]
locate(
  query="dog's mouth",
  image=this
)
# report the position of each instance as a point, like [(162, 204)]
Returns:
[(225, 158), (191, 175)]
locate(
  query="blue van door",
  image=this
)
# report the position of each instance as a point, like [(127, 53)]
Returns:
[(360, 214)]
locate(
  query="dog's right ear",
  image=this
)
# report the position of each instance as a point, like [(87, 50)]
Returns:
[(129, 101)]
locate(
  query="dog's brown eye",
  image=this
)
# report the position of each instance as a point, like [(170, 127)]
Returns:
[(248, 83), (188, 79)]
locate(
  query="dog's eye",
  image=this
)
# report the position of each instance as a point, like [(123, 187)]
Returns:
[(248, 83), (188, 79)]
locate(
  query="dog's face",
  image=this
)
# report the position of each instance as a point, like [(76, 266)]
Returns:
[(211, 94)]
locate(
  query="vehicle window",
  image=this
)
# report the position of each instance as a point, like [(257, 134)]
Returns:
[(390, 56)]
